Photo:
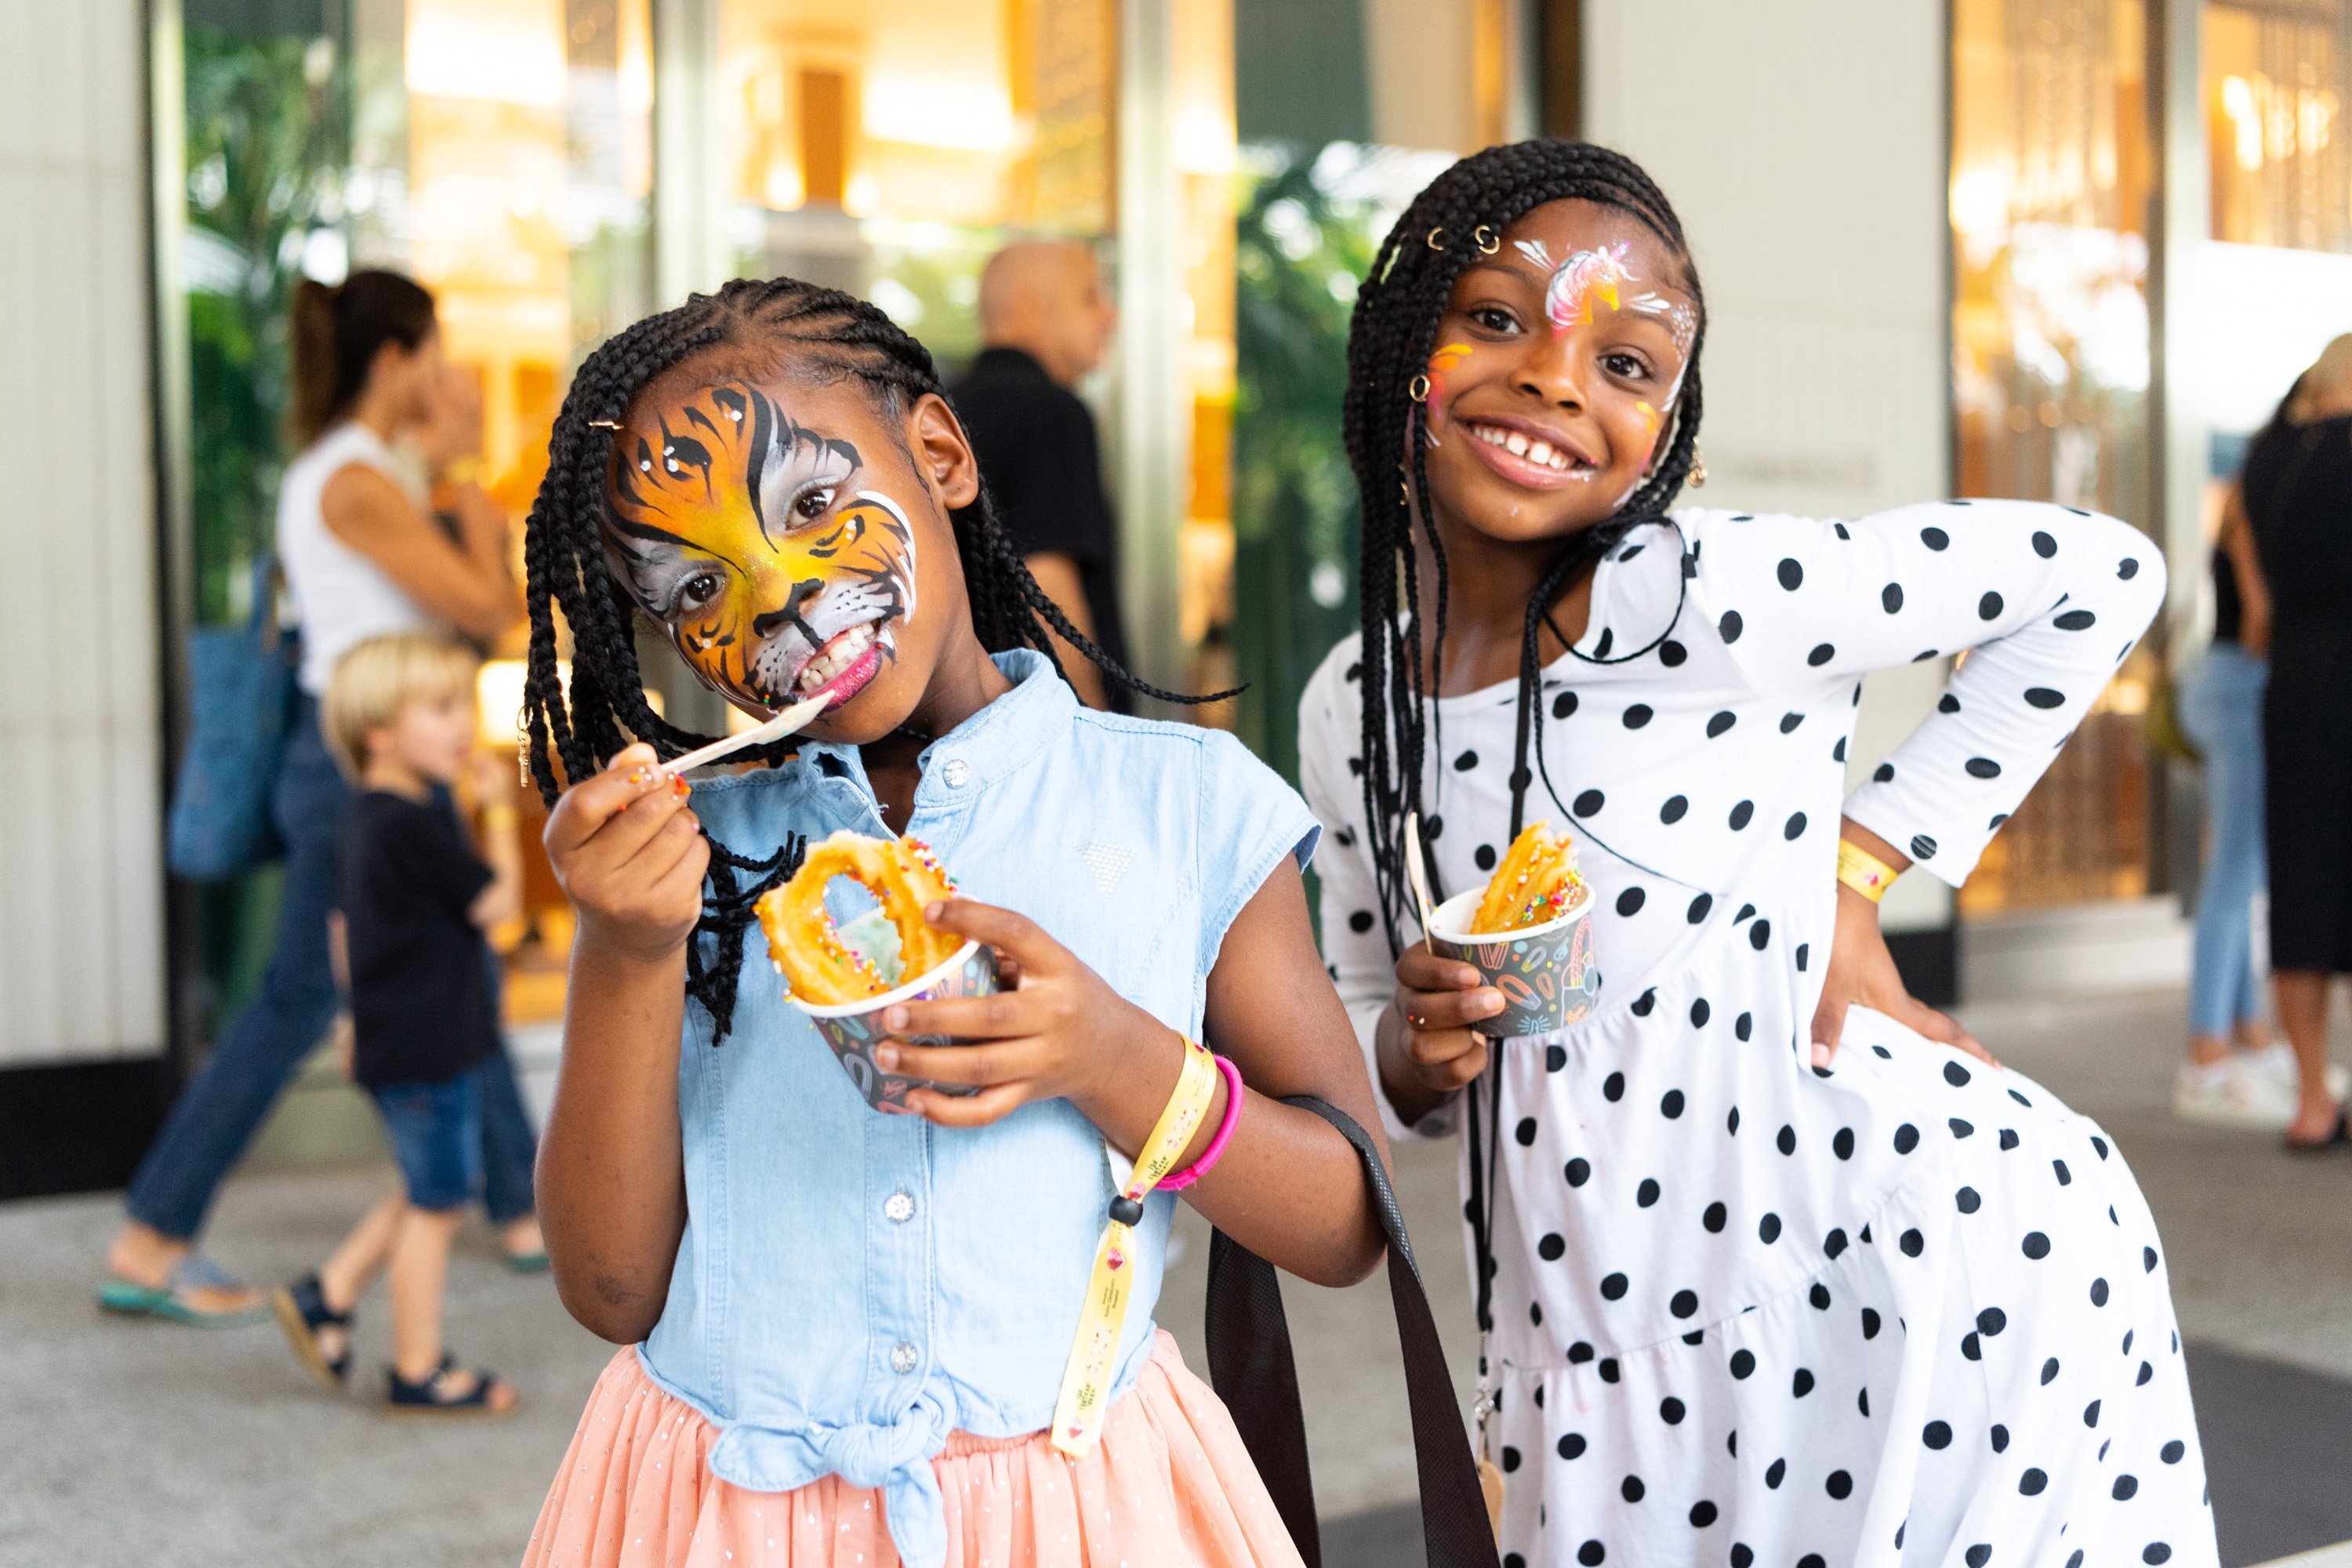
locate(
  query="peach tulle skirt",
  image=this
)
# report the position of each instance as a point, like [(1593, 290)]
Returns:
[(1169, 1486)]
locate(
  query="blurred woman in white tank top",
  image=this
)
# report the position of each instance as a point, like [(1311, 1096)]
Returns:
[(362, 554)]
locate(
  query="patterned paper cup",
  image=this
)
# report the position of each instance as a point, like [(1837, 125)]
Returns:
[(1545, 972), (854, 1028)]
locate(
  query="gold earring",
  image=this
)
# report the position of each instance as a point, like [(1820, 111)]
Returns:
[(1418, 389), (1488, 241), (1697, 469)]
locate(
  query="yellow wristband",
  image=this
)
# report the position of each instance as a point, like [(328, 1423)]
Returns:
[(461, 471), (1864, 872), (499, 817), (1086, 1383)]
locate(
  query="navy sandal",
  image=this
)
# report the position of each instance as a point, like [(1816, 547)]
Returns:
[(302, 1312), (424, 1399)]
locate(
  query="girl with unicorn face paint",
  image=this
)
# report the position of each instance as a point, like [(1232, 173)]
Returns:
[(1774, 1266), (839, 1352)]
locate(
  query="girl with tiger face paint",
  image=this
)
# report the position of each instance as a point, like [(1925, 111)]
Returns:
[(755, 541)]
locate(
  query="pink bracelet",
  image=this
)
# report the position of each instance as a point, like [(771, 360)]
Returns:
[(1177, 1180)]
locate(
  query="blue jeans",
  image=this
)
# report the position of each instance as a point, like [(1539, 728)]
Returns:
[(2222, 710), (436, 1138), (257, 1055)]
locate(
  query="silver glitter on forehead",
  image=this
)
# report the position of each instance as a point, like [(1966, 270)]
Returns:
[(1681, 320)]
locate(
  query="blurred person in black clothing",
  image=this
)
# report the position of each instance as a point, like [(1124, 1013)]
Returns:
[(1045, 323)]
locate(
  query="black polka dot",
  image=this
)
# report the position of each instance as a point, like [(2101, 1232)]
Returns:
[(1672, 812), (1601, 648), (1563, 705), (2148, 1259), (1744, 1024), (1823, 653), (1788, 722), (1948, 703), (1741, 815), (2153, 1553), (1645, 1002), (1613, 1086), (1702, 1514), (1484, 856), (1912, 1243), (1786, 1141), (2044, 545), (2098, 1292), (1792, 575), (1768, 1230), (1577, 1171), (1699, 907), (1834, 1244), (1535, 1316), (2036, 1245), (2049, 1371), (1979, 1555), (1989, 607), (1554, 1057), (2076, 620), (1612, 1288), (1775, 1472), (1630, 901), (1672, 653), (1683, 1304), (2065, 1176), (1937, 1435), (2128, 569), (1992, 1321), (1571, 1445), (1861, 1404), (1906, 1138), (1728, 627), (1819, 1296), (1955, 1074), (2100, 1145), (1869, 1323), (1743, 1364), (2126, 1488), (2172, 1452), (1632, 1490), (1935, 538), (2091, 1414), (1578, 1353), (1891, 596), (1525, 1131), (1882, 774), (1714, 1217), (1961, 1129), (1840, 1485), (1360, 921), (1590, 1554), (1843, 1144), (1741, 1557), (1647, 1193), (1922, 846), (1731, 1123), (1510, 1458), (1639, 714), (1795, 827), (2042, 697), (1588, 802), (1971, 1346), (1552, 1246), (1670, 1105), (1698, 1014), (1720, 722), (1983, 768)]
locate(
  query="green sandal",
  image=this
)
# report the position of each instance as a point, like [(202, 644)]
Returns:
[(191, 1274)]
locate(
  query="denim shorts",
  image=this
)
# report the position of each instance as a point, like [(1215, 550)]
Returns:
[(436, 1137)]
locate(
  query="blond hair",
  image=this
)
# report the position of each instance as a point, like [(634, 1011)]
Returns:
[(379, 677)]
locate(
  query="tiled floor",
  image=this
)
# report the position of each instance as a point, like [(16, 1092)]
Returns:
[(140, 1443)]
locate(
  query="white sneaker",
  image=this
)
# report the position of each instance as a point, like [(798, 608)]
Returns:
[(2277, 1060), (2238, 1091)]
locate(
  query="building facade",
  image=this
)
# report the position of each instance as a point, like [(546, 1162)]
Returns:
[(2070, 249)]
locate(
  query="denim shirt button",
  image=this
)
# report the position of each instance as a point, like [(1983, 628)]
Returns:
[(898, 1208), (957, 773), (903, 1357)]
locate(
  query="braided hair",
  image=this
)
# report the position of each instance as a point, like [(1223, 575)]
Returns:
[(829, 333), (1398, 311)]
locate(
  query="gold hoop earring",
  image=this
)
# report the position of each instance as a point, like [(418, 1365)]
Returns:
[(1488, 241), (1418, 389), (1697, 469), (1431, 242)]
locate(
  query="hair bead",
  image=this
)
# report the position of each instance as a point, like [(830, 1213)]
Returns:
[(1488, 241)]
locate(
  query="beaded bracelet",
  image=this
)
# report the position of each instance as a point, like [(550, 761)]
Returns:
[(1177, 1180)]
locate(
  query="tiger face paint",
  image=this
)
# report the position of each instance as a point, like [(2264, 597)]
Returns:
[(746, 535)]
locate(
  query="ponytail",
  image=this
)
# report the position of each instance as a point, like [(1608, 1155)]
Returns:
[(337, 332)]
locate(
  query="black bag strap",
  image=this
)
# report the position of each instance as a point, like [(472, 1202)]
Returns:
[(1252, 1369)]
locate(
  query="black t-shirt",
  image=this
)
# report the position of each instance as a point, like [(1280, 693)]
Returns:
[(420, 970), (2228, 608), (1037, 451)]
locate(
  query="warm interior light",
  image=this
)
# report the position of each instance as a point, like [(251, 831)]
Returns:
[(507, 51)]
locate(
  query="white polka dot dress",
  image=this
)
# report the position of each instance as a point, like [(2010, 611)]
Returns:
[(1908, 1310)]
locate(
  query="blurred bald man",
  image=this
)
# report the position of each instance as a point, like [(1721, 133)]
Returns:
[(1045, 323)]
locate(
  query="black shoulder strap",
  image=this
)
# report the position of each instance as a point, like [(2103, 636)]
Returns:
[(1252, 1369)]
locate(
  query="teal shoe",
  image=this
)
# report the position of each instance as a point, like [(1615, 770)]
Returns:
[(173, 1302)]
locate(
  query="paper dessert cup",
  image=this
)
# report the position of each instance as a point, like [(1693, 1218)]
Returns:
[(1545, 972), (853, 1029)]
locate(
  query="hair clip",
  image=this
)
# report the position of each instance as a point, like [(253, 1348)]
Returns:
[(1418, 389), (612, 425), (1433, 233), (1488, 241)]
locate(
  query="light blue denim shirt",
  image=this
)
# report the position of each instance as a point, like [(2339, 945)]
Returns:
[(852, 1287)]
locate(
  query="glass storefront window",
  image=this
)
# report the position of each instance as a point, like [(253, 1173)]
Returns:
[(2050, 181), (2275, 79)]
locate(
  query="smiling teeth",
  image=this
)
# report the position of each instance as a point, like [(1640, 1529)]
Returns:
[(1519, 446), (845, 651)]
